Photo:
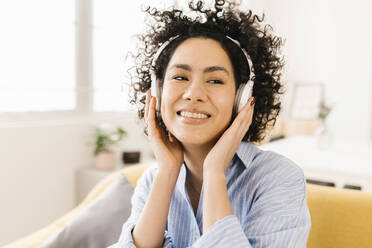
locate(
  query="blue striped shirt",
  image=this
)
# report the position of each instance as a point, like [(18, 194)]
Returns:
[(267, 192)]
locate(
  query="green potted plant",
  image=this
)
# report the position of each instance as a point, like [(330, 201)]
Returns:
[(105, 138), (323, 133), (324, 111)]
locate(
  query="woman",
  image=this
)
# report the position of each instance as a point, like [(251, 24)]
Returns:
[(212, 187)]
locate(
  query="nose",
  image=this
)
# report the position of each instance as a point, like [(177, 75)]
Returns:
[(195, 92)]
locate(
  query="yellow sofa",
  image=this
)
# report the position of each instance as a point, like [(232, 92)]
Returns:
[(340, 217)]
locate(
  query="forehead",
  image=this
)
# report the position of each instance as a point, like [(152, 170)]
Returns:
[(200, 53)]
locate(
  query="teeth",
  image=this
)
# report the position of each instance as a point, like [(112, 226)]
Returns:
[(193, 115)]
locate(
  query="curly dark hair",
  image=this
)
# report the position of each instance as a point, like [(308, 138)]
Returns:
[(216, 23)]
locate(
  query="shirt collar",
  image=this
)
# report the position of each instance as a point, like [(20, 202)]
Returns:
[(247, 152)]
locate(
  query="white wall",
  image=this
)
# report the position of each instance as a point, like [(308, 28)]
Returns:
[(330, 42), (36, 180), (38, 164)]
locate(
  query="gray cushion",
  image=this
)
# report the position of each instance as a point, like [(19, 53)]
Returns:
[(100, 224)]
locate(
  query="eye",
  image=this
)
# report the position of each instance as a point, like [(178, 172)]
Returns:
[(180, 78), (215, 81)]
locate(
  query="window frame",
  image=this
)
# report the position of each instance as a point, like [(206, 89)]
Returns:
[(84, 88)]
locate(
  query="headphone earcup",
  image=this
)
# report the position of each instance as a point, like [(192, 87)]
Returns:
[(243, 93)]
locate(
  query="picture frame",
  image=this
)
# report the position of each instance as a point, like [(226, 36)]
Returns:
[(306, 100)]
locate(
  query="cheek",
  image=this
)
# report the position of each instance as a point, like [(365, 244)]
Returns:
[(167, 100), (226, 102)]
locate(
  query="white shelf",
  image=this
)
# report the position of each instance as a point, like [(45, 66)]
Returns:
[(343, 163)]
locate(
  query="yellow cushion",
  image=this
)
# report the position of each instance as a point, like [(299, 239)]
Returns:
[(340, 217), (132, 173)]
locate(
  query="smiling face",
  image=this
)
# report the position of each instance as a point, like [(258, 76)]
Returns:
[(198, 92)]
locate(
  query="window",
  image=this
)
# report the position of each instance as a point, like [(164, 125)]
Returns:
[(115, 24), (37, 55), (38, 58)]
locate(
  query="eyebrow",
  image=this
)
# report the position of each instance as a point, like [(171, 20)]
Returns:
[(206, 70)]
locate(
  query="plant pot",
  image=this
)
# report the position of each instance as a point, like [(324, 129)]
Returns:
[(105, 161), (131, 157), (324, 136)]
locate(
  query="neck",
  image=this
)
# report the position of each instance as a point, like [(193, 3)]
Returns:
[(194, 156)]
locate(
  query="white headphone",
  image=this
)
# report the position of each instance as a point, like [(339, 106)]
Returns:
[(243, 93)]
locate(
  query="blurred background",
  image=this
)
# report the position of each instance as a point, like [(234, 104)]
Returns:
[(65, 120)]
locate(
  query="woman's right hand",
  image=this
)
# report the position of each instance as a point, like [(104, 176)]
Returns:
[(168, 150)]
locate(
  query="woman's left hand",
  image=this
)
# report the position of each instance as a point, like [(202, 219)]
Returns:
[(223, 151)]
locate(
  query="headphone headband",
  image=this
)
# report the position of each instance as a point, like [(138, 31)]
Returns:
[(250, 64), (166, 43)]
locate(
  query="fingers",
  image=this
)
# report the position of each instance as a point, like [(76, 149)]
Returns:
[(249, 106), (170, 137), (244, 118), (148, 98), (150, 111), (246, 111), (151, 123)]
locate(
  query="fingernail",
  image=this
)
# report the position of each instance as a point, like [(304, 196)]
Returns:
[(253, 101)]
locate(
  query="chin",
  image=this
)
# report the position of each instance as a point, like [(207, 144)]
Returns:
[(196, 139)]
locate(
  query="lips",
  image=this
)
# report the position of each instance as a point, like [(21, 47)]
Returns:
[(194, 111)]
